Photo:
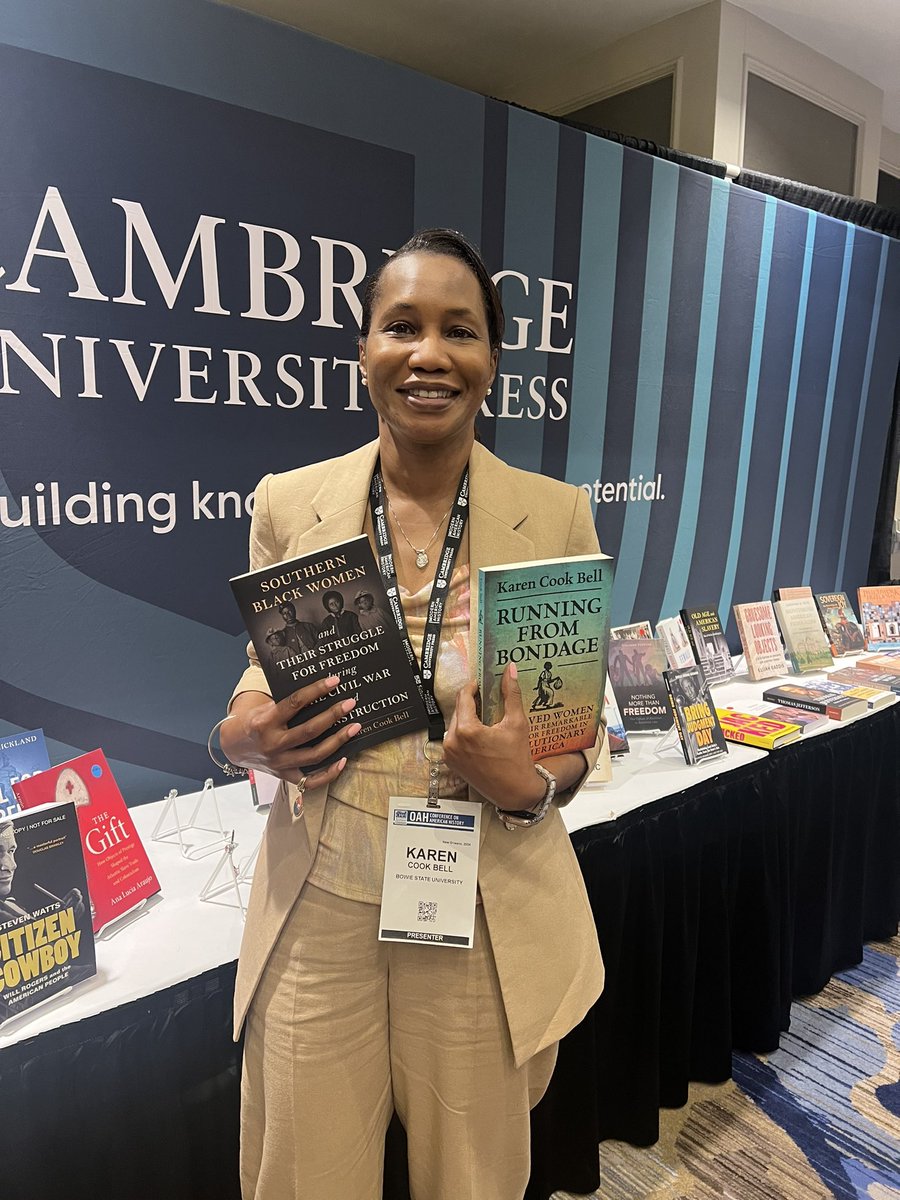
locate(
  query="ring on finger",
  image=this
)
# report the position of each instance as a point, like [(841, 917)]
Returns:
[(302, 782)]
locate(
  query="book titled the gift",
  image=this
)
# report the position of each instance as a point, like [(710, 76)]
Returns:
[(551, 619), (329, 613)]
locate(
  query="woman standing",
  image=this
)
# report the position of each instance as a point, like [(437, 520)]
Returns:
[(341, 1028)]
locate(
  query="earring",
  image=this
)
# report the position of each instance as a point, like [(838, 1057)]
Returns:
[(490, 389), (364, 381)]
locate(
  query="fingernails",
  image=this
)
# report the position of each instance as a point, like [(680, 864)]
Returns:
[(353, 730), (332, 681), (348, 705), (513, 671), (342, 764)]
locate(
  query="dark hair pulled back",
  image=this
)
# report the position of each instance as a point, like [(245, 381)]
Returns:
[(454, 245)]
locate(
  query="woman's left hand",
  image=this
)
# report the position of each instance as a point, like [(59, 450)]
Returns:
[(495, 759)]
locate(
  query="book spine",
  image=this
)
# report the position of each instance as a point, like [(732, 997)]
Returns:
[(814, 706)]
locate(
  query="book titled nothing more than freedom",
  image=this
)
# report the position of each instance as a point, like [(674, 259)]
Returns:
[(707, 637), (21, 756), (551, 619), (695, 717), (119, 872), (328, 613), (636, 673), (46, 941)]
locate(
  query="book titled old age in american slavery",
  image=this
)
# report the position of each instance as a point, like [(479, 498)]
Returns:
[(551, 619), (329, 613)]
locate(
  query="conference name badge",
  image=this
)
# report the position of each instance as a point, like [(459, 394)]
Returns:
[(430, 872)]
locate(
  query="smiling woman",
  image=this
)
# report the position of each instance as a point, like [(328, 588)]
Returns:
[(343, 1028)]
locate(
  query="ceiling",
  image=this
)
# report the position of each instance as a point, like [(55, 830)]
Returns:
[(489, 46)]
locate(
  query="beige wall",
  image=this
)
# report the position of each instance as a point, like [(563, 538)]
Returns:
[(711, 48), (890, 151), (688, 43), (745, 41)]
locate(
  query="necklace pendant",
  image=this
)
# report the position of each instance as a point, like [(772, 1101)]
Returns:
[(421, 559)]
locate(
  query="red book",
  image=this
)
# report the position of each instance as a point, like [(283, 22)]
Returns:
[(119, 873)]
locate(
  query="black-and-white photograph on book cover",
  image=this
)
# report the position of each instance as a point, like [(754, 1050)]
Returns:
[(46, 941), (328, 613)]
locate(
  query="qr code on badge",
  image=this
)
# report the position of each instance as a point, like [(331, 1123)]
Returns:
[(428, 911)]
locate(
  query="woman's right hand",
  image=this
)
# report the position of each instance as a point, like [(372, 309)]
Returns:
[(257, 735)]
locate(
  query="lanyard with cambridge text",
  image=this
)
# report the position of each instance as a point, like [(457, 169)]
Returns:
[(424, 672)]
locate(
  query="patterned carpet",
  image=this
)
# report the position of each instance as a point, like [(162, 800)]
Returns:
[(817, 1120)]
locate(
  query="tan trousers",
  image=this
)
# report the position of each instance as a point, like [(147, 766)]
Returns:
[(344, 1028)]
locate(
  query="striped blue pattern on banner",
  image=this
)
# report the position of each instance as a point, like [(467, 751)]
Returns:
[(596, 296), (657, 288), (836, 345), (864, 401), (750, 404), (531, 161), (792, 400), (683, 549)]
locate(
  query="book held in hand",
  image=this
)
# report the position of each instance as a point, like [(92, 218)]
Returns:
[(551, 619), (119, 873), (763, 732), (21, 756), (817, 700), (46, 941), (761, 639), (695, 716), (840, 623), (328, 613), (807, 645), (707, 637), (636, 674)]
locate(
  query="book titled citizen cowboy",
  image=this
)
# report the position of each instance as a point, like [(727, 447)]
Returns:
[(328, 613)]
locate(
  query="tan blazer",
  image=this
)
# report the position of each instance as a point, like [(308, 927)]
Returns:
[(541, 927)]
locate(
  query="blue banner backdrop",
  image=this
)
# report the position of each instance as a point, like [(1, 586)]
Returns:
[(181, 251)]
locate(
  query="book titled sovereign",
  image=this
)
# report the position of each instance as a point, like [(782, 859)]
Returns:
[(329, 613), (551, 619)]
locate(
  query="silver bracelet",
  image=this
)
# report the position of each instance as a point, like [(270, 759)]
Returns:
[(524, 819), (226, 768)]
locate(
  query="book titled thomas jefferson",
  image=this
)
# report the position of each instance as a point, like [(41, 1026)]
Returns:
[(696, 721), (119, 872), (21, 755), (840, 623), (707, 637), (550, 618), (46, 942), (328, 613), (817, 700), (761, 639), (807, 643), (879, 609), (763, 732)]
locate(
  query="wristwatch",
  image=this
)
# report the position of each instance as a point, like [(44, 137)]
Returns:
[(525, 818)]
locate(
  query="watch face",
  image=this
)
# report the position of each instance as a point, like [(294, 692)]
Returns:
[(70, 786)]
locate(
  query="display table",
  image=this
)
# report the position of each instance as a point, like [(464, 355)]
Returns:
[(716, 901)]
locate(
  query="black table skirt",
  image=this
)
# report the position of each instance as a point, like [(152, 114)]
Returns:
[(715, 907)]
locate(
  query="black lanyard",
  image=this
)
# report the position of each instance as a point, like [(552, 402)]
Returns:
[(424, 673)]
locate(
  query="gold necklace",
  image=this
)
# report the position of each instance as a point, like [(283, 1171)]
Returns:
[(421, 555)]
